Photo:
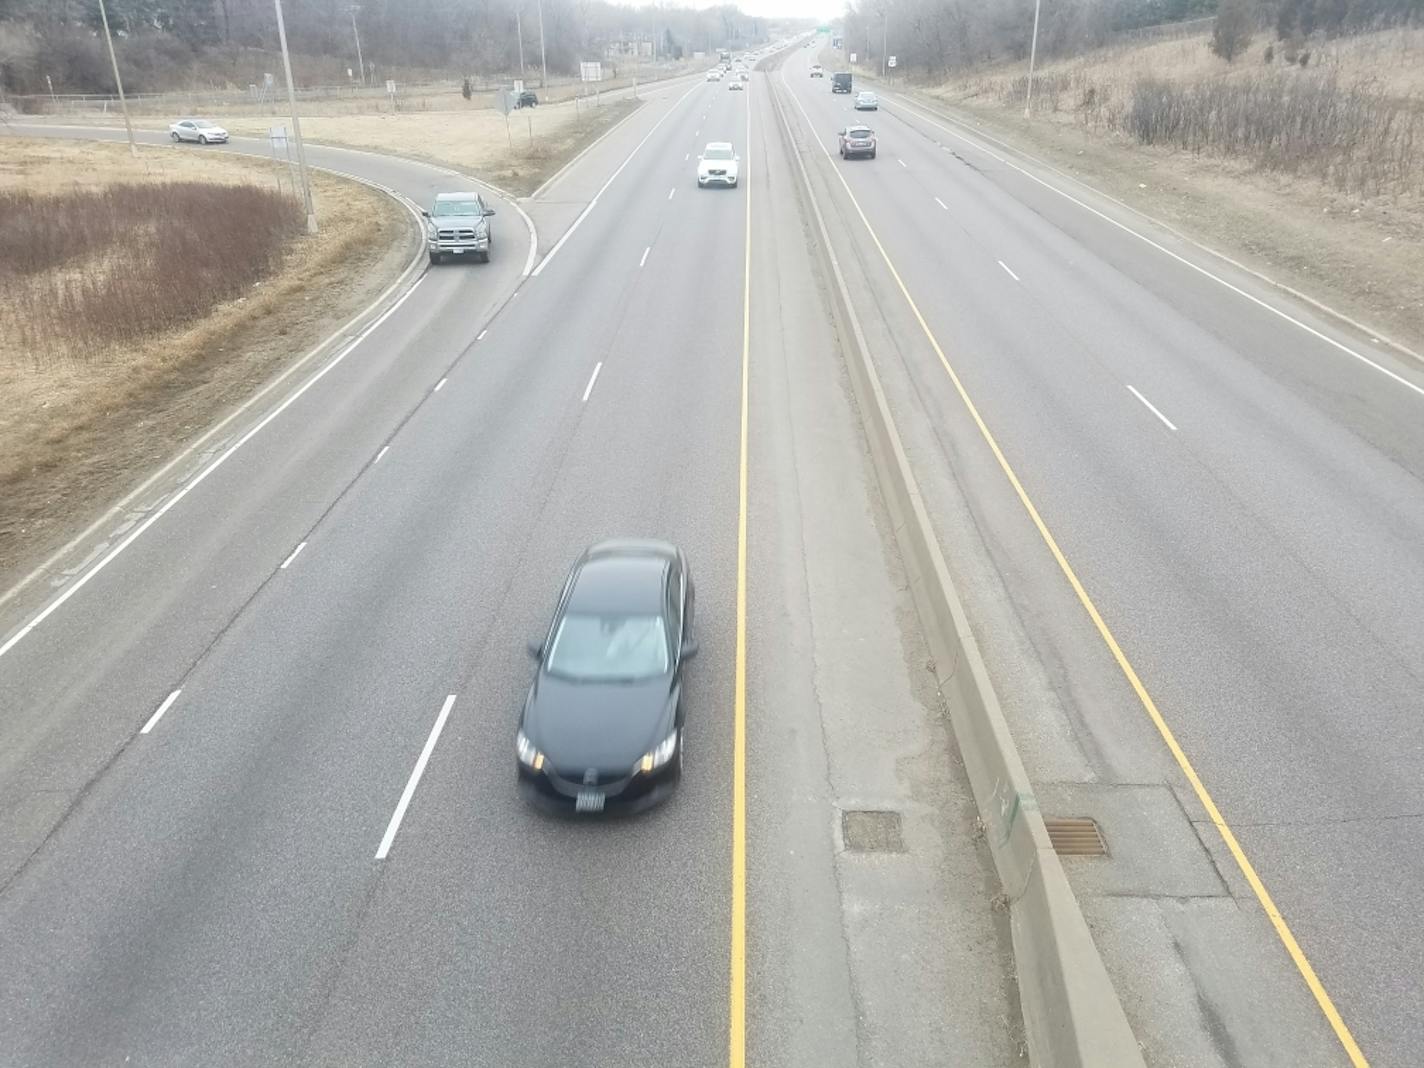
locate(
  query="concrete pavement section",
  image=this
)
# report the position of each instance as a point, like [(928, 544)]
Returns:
[(209, 892), (1245, 518)]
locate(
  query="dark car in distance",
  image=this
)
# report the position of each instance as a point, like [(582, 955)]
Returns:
[(526, 99), (602, 725), (840, 81)]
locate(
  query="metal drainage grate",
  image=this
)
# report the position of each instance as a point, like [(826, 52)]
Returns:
[(870, 831), (1075, 836)]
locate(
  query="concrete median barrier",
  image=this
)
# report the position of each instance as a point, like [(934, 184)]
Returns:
[(1072, 1015)]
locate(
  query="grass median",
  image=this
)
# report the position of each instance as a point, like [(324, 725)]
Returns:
[(141, 300)]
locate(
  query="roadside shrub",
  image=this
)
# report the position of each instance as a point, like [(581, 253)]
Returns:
[(1352, 137), (83, 271)]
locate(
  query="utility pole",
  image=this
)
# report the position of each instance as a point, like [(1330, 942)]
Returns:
[(296, 123), (543, 62), (519, 29), (1032, 56), (123, 104), (884, 37), (360, 65)]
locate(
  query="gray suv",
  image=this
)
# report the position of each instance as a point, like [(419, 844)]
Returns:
[(458, 225)]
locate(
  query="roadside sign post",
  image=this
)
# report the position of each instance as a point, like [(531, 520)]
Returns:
[(852, 57), (892, 62), (502, 100)]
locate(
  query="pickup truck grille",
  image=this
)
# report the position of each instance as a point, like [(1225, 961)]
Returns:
[(462, 234)]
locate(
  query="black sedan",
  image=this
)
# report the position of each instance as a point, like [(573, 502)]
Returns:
[(602, 725)]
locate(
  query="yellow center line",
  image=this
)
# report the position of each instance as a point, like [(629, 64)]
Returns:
[(1283, 931), (737, 1001)]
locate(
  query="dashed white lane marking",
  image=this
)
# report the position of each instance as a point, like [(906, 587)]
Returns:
[(288, 561), (409, 791), (1153, 409), (167, 704)]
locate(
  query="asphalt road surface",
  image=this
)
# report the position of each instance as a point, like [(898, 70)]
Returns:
[(257, 772), (1239, 491)]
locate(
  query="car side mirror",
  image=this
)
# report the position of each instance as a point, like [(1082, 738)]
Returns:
[(536, 650), (425, 213), (700, 158), (489, 211), (736, 159), (689, 648)]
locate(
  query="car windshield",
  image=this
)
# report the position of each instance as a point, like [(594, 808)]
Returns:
[(607, 648), (858, 131), (456, 207), (717, 152), (205, 124)]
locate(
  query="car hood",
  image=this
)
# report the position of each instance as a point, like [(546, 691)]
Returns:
[(457, 220), (603, 725), (706, 166), (211, 131)]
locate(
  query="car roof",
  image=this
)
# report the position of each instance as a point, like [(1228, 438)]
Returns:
[(458, 196), (857, 127), (718, 144), (621, 577)]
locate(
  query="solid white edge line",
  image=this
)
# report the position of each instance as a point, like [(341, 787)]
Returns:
[(288, 560), (611, 178), (1009, 269), (153, 719), (1341, 346), (591, 380), (414, 780), (1152, 408), (197, 480), (384, 449), (645, 255), (439, 385), (941, 203)]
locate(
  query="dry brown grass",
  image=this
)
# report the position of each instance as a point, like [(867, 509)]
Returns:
[(75, 434)]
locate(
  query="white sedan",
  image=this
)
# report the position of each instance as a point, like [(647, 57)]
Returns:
[(715, 74), (199, 130), (718, 165)]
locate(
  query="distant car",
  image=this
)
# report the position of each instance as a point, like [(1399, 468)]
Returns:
[(857, 141), (865, 101), (840, 81), (458, 225), (199, 130), (744, 77), (816, 71), (715, 74), (718, 165), (603, 723), (526, 99), (735, 83)]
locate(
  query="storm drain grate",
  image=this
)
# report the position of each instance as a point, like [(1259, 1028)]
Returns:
[(871, 831), (1075, 836)]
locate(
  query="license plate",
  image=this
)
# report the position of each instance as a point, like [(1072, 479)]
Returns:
[(458, 251), (589, 801)]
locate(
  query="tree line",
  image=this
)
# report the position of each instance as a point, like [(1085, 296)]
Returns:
[(165, 44), (933, 38)]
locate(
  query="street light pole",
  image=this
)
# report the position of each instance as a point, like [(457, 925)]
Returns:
[(296, 123), (119, 82), (1032, 56), (519, 29), (884, 37), (543, 62), (360, 64)]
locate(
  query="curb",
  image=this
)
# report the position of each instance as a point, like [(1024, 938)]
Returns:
[(348, 331), (1071, 1012)]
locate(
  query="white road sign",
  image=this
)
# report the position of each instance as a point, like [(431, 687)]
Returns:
[(892, 61), (852, 57), (591, 72)]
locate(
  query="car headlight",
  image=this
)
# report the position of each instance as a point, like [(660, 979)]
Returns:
[(659, 755), (528, 755)]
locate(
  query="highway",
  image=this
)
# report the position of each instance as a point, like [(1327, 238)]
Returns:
[(258, 769), (1236, 483)]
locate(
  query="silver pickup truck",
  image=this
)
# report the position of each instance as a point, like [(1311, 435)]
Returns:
[(458, 225)]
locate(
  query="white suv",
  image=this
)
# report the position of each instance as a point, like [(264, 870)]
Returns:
[(718, 165)]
